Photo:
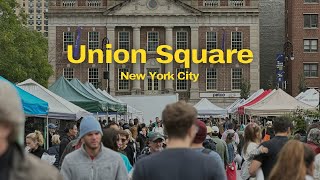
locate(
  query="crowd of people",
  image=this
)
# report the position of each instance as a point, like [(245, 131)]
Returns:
[(177, 146)]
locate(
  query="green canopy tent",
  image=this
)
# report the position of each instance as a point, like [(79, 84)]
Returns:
[(112, 106), (66, 90), (123, 106)]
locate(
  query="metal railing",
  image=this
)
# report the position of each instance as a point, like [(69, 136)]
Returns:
[(69, 3), (236, 3), (211, 3), (94, 3)]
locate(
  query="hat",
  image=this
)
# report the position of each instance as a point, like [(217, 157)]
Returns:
[(202, 132), (209, 130), (89, 124), (152, 136), (11, 110), (215, 129), (314, 136), (52, 126)]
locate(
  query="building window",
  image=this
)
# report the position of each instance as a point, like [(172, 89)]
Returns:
[(182, 40), (93, 40), (211, 79), (153, 41), (93, 77), (310, 20), (124, 40), (236, 41), (68, 73), (181, 85), (68, 38), (153, 84), (236, 79), (311, 1), (123, 84), (310, 70), (310, 45), (211, 40)]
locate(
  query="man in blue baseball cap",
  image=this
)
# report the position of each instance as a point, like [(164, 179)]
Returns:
[(93, 160)]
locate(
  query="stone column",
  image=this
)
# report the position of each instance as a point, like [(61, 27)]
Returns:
[(255, 65), (111, 37), (169, 67), (194, 90), (136, 89)]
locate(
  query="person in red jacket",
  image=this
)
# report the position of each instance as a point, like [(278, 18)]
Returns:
[(313, 140)]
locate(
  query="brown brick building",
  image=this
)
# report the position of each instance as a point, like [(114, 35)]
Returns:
[(303, 31), (146, 24)]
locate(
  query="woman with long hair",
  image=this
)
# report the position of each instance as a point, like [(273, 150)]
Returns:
[(252, 139), (111, 139), (295, 162)]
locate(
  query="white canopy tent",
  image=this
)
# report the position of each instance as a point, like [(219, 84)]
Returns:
[(310, 97), (59, 108), (234, 104), (276, 104), (234, 109), (205, 107)]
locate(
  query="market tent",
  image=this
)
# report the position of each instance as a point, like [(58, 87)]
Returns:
[(254, 101), (64, 89), (59, 108), (276, 104), (112, 106), (205, 107), (32, 105), (234, 104), (253, 96), (310, 97)]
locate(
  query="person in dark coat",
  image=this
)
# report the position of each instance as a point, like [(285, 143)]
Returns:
[(54, 149), (71, 133), (34, 143)]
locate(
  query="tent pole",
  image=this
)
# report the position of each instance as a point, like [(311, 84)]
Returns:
[(47, 129)]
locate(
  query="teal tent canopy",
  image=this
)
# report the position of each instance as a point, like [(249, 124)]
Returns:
[(32, 105), (66, 90)]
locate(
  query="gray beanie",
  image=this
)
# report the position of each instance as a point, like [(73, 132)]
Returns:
[(11, 110), (89, 124)]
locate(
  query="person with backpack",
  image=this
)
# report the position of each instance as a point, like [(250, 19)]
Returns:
[(221, 146), (200, 138)]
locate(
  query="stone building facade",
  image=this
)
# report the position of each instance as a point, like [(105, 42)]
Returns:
[(146, 24)]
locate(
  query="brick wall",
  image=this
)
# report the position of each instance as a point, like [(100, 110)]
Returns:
[(298, 33)]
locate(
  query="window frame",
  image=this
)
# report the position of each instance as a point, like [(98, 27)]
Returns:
[(124, 41), (310, 70), (66, 74), (65, 47), (177, 80), (94, 78), (215, 78), (211, 41), (124, 80), (93, 40), (186, 41), (158, 41), (310, 45), (237, 79), (236, 41)]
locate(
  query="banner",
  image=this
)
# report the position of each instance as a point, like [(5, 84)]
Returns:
[(76, 47), (280, 70)]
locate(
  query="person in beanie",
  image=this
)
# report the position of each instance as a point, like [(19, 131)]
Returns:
[(15, 163), (93, 160), (178, 161), (197, 145)]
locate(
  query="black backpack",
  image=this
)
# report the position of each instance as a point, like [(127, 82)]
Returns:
[(209, 144)]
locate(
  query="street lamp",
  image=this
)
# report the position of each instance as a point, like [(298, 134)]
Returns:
[(106, 74), (288, 54)]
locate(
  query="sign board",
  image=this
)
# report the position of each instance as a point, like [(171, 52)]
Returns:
[(219, 95), (280, 70)]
